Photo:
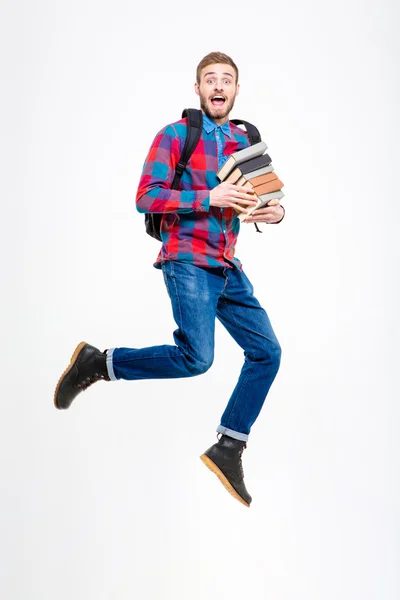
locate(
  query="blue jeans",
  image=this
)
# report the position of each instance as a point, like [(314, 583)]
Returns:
[(198, 295)]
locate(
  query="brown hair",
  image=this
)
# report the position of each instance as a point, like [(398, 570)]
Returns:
[(214, 58)]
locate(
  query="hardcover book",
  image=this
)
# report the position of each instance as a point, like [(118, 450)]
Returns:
[(247, 154), (266, 187), (237, 178), (233, 177), (255, 181), (263, 184), (268, 169), (255, 163)]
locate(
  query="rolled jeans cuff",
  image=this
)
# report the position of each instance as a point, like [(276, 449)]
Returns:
[(243, 437), (109, 364)]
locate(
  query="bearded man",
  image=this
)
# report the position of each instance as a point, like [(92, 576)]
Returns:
[(203, 278)]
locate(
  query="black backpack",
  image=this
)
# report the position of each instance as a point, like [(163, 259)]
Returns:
[(194, 126)]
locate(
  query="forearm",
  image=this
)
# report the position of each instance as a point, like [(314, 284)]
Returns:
[(162, 200)]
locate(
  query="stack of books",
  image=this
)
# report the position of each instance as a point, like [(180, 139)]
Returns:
[(252, 168)]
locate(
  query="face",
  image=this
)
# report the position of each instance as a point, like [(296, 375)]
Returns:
[(217, 90)]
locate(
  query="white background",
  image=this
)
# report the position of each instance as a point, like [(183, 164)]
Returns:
[(109, 500)]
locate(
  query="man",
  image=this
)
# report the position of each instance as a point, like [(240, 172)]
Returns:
[(203, 278)]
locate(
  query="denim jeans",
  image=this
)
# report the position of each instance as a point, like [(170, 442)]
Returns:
[(199, 295)]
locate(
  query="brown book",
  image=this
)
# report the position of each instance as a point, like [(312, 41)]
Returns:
[(267, 177), (253, 183), (269, 186), (233, 177)]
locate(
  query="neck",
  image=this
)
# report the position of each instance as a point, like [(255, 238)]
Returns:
[(217, 121)]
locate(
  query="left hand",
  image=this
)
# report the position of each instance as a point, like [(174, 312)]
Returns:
[(272, 213)]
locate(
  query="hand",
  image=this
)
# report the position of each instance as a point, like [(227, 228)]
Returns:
[(230, 195), (272, 213)]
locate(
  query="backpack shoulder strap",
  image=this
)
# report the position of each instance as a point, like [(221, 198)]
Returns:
[(252, 131), (194, 125)]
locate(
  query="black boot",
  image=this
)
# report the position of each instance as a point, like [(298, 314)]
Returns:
[(225, 460), (87, 366)]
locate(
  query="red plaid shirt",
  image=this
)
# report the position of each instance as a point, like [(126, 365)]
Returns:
[(192, 231)]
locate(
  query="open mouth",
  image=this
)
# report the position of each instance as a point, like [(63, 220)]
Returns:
[(218, 100)]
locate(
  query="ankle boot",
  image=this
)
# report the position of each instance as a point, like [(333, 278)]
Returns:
[(225, 460), (87, 366)]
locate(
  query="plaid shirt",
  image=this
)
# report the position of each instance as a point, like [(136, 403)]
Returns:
[(192, 231)]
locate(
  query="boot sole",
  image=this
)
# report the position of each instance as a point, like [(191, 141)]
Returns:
[(213, 467), (67, 370)]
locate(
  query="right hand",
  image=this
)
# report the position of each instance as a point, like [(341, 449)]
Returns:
[(235, 196)]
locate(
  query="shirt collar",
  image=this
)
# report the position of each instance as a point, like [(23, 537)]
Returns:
[(209, 126)]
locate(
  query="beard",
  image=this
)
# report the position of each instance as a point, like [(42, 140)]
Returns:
[(216, 112)]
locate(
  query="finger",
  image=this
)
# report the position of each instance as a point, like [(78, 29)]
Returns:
[(244, 196), (243, 188), (262, 218), (262, 212), (269, 217), (252, 219), (246, 202), (267, 210), (238, 207)]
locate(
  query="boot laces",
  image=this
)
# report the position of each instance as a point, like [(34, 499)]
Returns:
[(240, 459), (83, 385)]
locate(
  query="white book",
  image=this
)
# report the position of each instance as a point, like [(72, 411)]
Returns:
[(240, 157)]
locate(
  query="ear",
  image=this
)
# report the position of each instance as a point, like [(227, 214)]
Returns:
[(237, 89), (196, 88)]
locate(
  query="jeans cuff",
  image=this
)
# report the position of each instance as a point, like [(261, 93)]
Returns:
[(243, 437), (109, 364)]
